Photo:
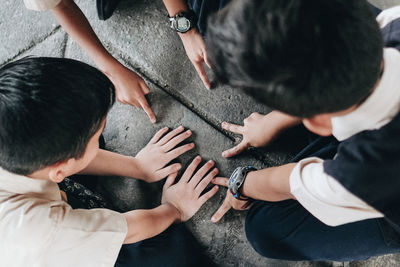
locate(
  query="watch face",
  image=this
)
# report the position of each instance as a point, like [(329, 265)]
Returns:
[(183, 24)]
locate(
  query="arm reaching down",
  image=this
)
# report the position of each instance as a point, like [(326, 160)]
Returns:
[(150, 164), (179, 202), (258, 130), (130, 87)]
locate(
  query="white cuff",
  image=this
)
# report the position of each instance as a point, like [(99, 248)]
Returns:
[(324, 197), (41, 5)]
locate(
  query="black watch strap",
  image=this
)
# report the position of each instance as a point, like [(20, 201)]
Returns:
[(190, 15)]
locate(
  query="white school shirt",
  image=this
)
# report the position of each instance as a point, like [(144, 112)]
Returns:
[(322, 195), (39, 229), (41, 5)]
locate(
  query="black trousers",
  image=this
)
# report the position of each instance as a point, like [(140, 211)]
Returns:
[(175, 247), (285, 230)]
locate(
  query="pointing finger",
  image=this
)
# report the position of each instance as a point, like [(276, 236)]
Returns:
[(234, 128), (146, 107), (202, 73), (221, 211), (235, 150), (220, 181)]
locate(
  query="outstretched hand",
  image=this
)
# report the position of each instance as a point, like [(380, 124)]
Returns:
[(185, 195), (154, 157), (196, 51), (257, 131), (130, 89), (229, 201)]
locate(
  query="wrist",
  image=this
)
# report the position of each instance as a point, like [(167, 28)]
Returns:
[(109, 65), (237, 180), (189, 34), (174, 211)]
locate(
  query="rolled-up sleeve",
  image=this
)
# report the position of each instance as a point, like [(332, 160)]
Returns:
[(86, 237), (41, 5), (326, 198)]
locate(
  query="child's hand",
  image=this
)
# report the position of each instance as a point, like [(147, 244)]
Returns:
[(160, 151), (185, 195), (229, 202), (130, 89), (196, 51), (258, 130)]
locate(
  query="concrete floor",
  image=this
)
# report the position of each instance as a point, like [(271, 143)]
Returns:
[(138, 35)]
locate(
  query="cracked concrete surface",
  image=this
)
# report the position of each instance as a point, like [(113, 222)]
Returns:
[(138, 35)]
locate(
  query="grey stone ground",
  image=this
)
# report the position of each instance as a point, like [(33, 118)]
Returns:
[(139, 36)]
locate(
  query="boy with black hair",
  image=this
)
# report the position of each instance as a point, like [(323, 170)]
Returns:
[(52, 112), (322, 63)]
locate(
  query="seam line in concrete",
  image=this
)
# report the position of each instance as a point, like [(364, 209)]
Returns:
[(31, 45), (189, 105)]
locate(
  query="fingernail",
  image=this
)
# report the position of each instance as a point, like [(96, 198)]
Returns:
[(153, 120), (224, 154), (192, 144), (212, 219), (210, 161), (198, 158), (223, 124), (180, 127), (178, 167), (188, 131)]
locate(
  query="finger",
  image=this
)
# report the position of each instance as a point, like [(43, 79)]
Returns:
[(170, 135), (206, 59), (168, 170), (145, 88), (208, 195), (206, 181), (234, 128), (201, 172), (146, 107), (158, 135), (221, 181), (176, 140), (221, 211), (180, 150), (202, 73), (170, 180), (235, 150), (190, 169), (131, 102)]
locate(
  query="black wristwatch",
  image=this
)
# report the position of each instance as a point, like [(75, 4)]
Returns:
[(237, 179), (183, 21)]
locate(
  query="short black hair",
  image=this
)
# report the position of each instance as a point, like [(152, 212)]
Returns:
[(49, 110), (302, 57)]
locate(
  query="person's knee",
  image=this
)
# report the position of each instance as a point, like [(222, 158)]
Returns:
[(266, 231), (263, 241)]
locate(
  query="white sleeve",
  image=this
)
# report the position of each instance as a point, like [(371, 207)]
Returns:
[(388, 15), (324, 197), (41, 5)]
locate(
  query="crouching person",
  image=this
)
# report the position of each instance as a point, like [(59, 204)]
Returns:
[(52, 113), (323, 64)]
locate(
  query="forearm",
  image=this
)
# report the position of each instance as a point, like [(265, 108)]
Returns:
[(271, 184), (113, 164), (175, 6), (74, 22), (281, 121), (143, 224)]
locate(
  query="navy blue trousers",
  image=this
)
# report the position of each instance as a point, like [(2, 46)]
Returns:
[(285, 230)]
